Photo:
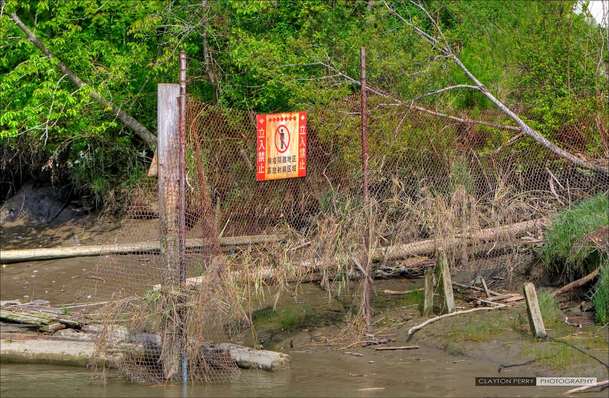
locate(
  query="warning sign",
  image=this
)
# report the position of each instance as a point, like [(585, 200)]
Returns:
[(281, 146)]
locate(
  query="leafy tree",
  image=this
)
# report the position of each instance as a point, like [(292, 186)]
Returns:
[(542, 58)]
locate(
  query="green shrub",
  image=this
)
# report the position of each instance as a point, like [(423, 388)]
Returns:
[(565, 251), (601, 295)]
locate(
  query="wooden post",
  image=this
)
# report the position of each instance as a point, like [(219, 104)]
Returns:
[(535, 320), (168, 178), (428, 303), (367, 288), (445, 281)]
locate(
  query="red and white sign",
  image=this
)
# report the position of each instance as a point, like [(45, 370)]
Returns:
[(281, 146)]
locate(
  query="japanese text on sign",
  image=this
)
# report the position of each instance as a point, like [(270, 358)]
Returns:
[(281, 146)]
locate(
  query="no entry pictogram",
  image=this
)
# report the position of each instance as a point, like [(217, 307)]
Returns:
[(281, 146)]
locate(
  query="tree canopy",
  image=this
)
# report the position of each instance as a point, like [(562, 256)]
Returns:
[(541, 57)]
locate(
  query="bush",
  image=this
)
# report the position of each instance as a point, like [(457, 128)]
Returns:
[(565, 251)]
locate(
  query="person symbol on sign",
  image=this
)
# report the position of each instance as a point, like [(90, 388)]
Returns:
[(282, 135)]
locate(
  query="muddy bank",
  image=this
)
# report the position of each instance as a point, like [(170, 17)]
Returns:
[(496, 342)]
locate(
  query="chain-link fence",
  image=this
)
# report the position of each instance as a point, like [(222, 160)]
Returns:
[(474, 189)]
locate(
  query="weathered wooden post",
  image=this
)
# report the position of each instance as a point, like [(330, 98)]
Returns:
[(445, 281), (171, 194), (168, 180), (169, 203), (535, 319)]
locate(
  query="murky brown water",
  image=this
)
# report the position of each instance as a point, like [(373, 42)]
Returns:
[(426, 373)]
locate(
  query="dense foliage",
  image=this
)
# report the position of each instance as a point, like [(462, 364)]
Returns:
[(567, 251), (542, 58)]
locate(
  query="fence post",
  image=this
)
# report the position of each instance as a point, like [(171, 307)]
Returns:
[(168, 179), (445, 281), (533, 311), (169, 218), (367, 290)]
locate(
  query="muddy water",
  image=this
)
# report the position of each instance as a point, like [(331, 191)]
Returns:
[(424, 373)]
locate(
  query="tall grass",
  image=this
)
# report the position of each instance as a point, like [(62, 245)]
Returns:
[(550, 311), (565, 251), (601, 295)]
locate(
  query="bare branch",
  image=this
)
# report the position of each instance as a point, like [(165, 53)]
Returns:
[(448, 88), (526, 129), (411, 105), (432, 40)]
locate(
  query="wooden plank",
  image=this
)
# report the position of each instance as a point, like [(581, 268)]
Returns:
[(445, 282), (428, 301), (488, 294), (535, 320)]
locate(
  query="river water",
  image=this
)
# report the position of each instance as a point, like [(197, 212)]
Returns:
[(425, 373)]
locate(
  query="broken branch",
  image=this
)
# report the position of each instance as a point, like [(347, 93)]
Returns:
[(420, 326), (526, 129), (578, 283)]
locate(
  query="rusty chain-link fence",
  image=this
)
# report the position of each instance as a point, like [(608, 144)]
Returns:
[(478, 191)]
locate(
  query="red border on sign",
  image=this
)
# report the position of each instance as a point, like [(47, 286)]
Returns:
[(302, 144), (261, 147)]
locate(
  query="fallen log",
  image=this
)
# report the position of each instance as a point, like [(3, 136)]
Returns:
[(21, 255), (420, 326), (578, 283), (382, 254), (81, 353), (429, 246), (312, 272), (249, 358), (40, 319)]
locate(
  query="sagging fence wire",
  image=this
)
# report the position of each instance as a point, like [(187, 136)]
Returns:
[(479, 194)]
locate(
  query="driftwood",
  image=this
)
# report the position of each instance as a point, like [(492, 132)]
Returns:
[(411, 253), (578, 283), (476, 288), (602, 384), (401, 292), (21, 255), (429, 246), (44, 320), (402, 347), (420, 326), (80, 353), (312, 272)]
